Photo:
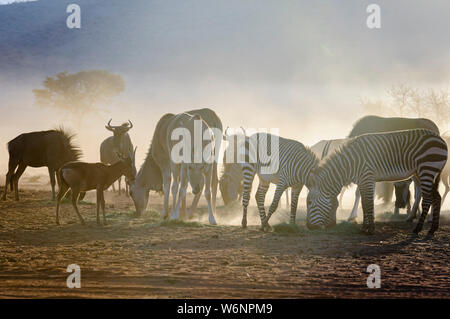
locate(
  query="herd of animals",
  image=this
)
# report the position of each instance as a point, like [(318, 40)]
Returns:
[(393, 151)]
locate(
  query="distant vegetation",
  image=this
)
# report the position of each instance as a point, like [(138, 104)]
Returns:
[(405, 101), (79, 93)]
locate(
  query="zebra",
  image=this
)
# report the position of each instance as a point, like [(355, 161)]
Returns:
[(231, 180), (288, 165), (383, 190), (369, 158)]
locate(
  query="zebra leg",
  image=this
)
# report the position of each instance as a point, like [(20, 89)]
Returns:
[(354, 214), (427, 200), (341, 197), (287, 197), (436, 209), (281, 187), (295, 192), (260, 197), (249, 174), (367, 190), (417, 197)]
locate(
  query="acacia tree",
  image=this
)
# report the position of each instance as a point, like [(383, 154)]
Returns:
[(79, 93)]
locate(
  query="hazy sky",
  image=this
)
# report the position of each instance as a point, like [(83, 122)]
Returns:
[(300, 66)]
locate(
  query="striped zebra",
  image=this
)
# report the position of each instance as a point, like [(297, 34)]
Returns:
[(288, 165), (231, 180), (370, 158)]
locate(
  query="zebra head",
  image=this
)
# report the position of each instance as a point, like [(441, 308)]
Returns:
[(321, 206)]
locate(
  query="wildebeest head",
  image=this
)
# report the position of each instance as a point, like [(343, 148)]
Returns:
[(119, 132), (402, 194)]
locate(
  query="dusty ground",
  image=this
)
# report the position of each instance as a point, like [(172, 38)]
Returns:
[(147, 257)]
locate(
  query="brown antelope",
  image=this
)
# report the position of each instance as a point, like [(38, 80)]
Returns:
[(82, 177)]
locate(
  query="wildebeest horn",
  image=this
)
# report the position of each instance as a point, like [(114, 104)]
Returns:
[(108, 126), (131, 125)]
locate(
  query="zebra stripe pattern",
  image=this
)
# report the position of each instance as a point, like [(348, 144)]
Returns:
[(370, 158), (291, 162)]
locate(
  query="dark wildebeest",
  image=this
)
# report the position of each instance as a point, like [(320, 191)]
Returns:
[(37, 149), (119, 143), (377, 124), (82, 177)]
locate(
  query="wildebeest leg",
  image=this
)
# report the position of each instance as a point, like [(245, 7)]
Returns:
[(9, 180), (63, 189), (417, 197), (295, 192), (113, 187), (51, 173), (260, 197), (119, 181), (179, 187), (354, 213), (208, 180), (16, 177), (75, 193), (167, 180), (367, 190)]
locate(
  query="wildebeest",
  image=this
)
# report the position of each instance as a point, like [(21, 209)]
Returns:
[(378, 124), (155, 172), (51, 148), (82, 177), (119, 143)]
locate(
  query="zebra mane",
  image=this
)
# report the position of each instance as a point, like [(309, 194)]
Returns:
[(333, 157)]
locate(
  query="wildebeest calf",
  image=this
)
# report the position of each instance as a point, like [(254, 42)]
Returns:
[(82, 177)]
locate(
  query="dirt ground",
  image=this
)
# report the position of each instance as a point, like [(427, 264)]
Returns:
[(150, 258)]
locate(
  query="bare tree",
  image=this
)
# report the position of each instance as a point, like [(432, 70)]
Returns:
[(405, 101), (79, 93)]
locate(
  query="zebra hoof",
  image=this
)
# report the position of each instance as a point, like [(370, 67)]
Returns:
[(430, 235), (368, 229)]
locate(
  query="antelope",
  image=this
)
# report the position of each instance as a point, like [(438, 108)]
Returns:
[(82, 177)]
